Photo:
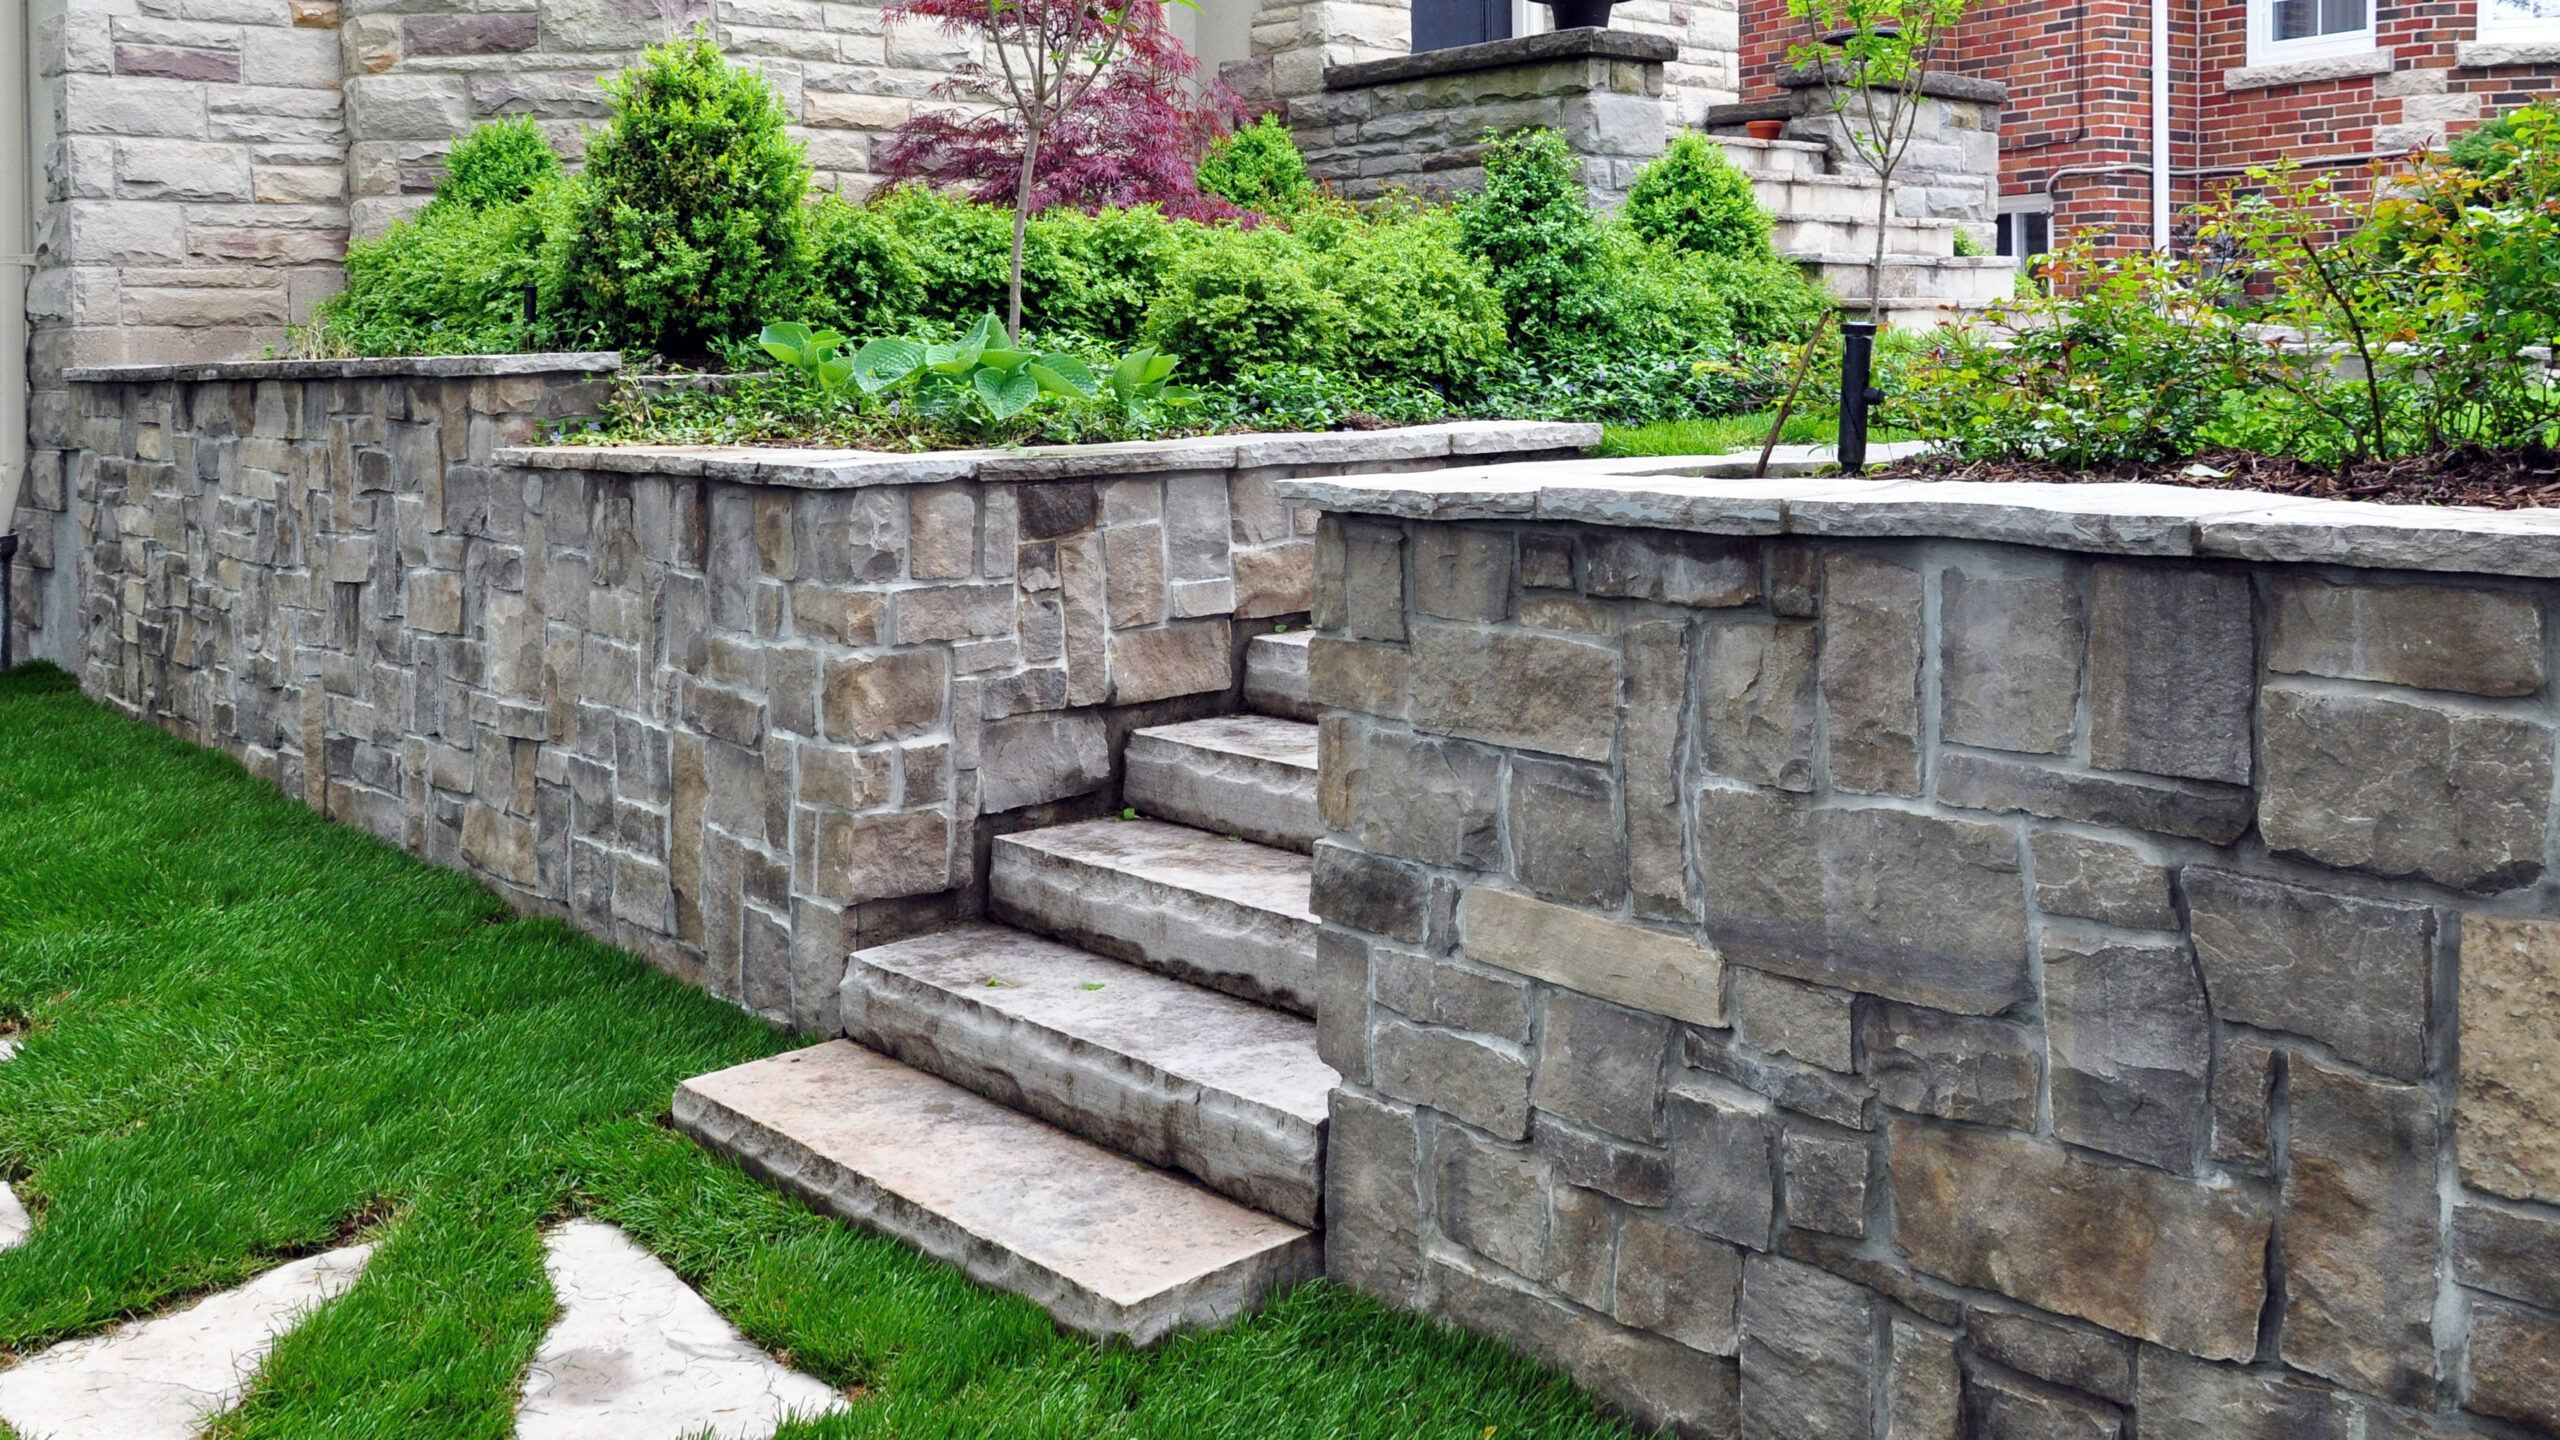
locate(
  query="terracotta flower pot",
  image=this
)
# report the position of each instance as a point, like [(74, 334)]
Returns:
[(1764, 129), (1581, 14)]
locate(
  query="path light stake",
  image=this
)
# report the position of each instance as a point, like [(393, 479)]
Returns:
[(1857, 357), (532, 308), (8, 552)]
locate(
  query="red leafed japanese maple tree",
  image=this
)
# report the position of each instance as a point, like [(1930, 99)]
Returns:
[(1097, 104)]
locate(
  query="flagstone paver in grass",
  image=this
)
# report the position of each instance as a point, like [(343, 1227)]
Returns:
[(637, 1355), (250, 1035), (160, 1379)]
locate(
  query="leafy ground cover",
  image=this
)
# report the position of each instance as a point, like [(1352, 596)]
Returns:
[(252, 1034)]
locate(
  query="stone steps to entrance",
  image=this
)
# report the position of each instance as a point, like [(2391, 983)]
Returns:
[(1228, 914), (1799, 232), (1252, 776), (1110, 1246), (1166, 1072), (1275, 675)]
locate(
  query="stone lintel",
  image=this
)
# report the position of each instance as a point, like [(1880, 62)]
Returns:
[(1504, 55)]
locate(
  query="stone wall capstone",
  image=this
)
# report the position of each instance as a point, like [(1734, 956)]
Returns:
[(738, 711), (1844, 960)]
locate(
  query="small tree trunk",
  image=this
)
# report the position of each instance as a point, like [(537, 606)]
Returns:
[(1021, 226), (1875, 268)]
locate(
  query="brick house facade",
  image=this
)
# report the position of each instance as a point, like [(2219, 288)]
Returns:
[(2331, 83)]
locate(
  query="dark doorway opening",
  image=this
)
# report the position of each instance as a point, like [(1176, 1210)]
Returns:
[(1440, 24)]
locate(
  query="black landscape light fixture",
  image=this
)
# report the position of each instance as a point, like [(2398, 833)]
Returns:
[(1857, 362), (8, 552)]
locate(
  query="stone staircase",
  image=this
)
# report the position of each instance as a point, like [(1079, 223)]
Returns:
[(1106, 1098), (1827, 220)]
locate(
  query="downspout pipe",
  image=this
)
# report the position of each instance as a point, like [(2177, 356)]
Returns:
[(2159, 124)]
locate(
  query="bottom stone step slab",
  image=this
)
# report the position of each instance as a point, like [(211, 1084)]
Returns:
[(1112, 1248)]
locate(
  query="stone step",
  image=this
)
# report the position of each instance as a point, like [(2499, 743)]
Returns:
[(1774, 158), (1799, 232), (1275, 675), (1917, 282), (1111, 1247), (1247, 775), (1225, 1090), (1228, 914)]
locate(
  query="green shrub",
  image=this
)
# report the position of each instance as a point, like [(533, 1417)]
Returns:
[(691, 230), (1532, 226), (1095, 275), (1694, 198), (451, 280), (1259, 168), (1244, 297), (500, 162), (863, 276)]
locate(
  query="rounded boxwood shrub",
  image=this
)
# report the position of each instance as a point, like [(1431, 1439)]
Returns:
[(691, 231), (863, 276), (1694, 198), (501, 162), (1242, 297), (1259, 168)]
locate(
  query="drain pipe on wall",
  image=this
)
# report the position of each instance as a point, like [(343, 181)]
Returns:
[(2159, 124), (17, 207)]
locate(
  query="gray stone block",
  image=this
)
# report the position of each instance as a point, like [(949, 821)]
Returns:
[(2350, 972), (1723, 1165), (2172, 664), (1870, 673), (2071, 1356), (1678, 1283), (1368, 679), (2181, 1398), (1371, 893), (1418, 797), (1342, 1003), (1373, 1198), (1582, 1246), (1189, 657), (1451, 993), (1908, 906), (883, 697), (1756, 702), (1562, 821), (1154, 1068), (2244, 1082), (1275, 676), (2405, 788), (2361, 1234), (1515, 688), (2482, 642), (1826, 1181), (1479, 1081), (1637, 1174), (1656, 799), (1677, 569), (1373, 580), (2028, 1219), (1601, 1065), (2217, 814), (1644, 969), (2101, 880), (1245, 775), (1808, 1353), (1223, 913), (1924, 1391), (2132, 1045), (2514, 1369), (1044, 756), (1997, 1403), (1787, 1018), (2009, 667), (2515, 1253), (1461, 572), (1806, 1089), (1546, 561), (1493, 1200)]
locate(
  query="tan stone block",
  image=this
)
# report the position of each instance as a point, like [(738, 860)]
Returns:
[(1182, 659), (873, 857), (499, 844), (2507, 1117), (298, 184), (315, 14), (1650, 970), (859, 112), (435, 602), (884, 697)]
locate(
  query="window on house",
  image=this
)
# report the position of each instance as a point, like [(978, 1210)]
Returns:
[(2281, 30), (2023, 234), (1442, 24), (2520, 19)]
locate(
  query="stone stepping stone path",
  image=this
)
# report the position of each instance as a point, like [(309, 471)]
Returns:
[(635, 1355), (159, 1379)]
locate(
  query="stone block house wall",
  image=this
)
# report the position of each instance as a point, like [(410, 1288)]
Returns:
[(738, 712), (1855, 962), (2076, 138)]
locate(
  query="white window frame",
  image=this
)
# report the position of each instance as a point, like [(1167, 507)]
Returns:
[(2265, 49), (2494, 30)]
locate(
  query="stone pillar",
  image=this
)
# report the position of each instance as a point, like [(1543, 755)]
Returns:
[(1951, 171), (1296, 41), (1418, 122)]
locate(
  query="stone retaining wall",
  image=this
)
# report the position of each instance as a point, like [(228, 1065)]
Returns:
[(738, 711), (1834, 960)]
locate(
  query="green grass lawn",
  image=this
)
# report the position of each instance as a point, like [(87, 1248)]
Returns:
[(252, 1035)]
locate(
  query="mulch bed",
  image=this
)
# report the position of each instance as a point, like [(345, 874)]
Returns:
[(2498, 480)]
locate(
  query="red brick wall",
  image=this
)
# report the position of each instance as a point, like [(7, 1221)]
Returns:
[(2079, 78)]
